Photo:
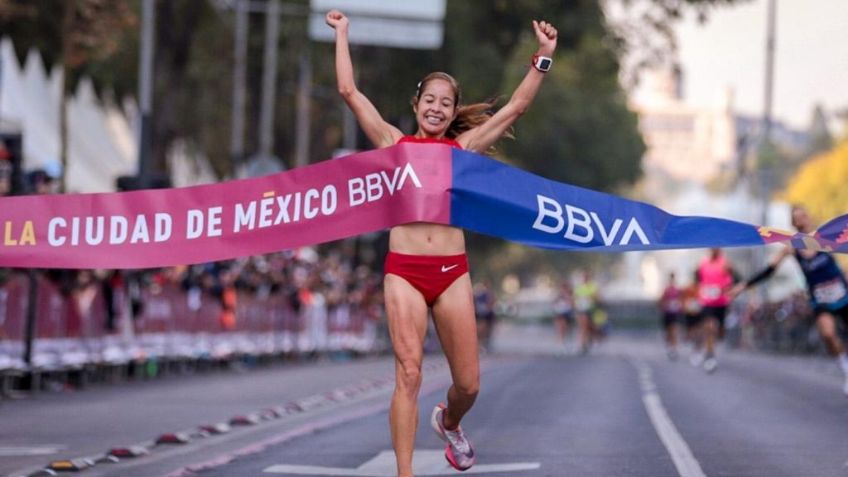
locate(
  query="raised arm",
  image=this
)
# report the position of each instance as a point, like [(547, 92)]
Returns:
[(481, 138), (763, 274), (381, 133)]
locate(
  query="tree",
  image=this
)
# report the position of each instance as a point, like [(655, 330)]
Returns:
[(579, 130), (81, 31), (819, 184)]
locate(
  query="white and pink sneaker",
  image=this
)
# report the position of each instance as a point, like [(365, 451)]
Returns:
[(458, 452)]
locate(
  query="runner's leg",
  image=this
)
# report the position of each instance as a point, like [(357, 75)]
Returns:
[(407, 319), (453, 315), (710, 330), (711, 333), (672, 335), (585, 331), (826, 324)]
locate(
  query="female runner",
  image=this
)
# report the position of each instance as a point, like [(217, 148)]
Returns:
[(426, 266)]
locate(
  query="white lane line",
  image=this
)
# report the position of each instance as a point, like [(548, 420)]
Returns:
[(681, 455), (425, 462)]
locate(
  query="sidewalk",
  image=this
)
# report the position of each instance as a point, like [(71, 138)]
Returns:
[(92, 421)]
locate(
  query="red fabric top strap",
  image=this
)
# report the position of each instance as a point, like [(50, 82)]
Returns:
[(430, 140)]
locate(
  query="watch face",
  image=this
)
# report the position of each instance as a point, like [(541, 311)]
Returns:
[(544, 64)]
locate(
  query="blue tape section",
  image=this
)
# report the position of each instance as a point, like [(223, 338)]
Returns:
[(493, 198)]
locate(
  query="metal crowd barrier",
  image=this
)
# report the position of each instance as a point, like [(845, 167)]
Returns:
[(174, 328)]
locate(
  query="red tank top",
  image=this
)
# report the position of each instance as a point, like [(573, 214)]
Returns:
[(430, 140)]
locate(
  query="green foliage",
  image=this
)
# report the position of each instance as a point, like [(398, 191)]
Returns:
[(75, 33), (579, 130)]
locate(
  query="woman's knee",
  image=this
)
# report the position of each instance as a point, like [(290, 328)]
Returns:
[(468, 387), (409, 376)]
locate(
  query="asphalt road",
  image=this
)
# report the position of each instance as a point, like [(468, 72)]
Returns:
[(625, 409)]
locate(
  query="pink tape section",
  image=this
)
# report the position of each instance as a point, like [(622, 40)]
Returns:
[(331, 200)]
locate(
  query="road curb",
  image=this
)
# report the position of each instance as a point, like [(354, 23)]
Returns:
[(292, 408)]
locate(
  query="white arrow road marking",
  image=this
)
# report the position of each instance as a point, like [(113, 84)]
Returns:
[(11, 451), (424, 462), (685, 462)]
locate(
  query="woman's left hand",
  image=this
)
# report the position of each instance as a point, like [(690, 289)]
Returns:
[(547, 36)]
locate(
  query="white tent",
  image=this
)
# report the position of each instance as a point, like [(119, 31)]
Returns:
[(102, 142)]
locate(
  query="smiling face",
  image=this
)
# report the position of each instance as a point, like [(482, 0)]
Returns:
[(435, 108)]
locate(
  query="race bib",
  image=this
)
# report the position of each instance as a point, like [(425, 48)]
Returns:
[(829, 292), (693, 307), (711, 292)]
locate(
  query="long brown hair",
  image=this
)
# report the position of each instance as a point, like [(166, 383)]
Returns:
[(467, 116)]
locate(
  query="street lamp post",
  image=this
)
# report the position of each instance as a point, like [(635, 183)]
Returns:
[(145, 89), (765, 170), (239, 80)]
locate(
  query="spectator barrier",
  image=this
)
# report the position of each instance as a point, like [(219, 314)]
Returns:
[(75, 334)]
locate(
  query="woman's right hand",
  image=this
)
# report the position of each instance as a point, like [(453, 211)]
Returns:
[(337, 20)]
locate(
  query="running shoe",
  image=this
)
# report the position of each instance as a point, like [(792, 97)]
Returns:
[(458, 452), (696, 359), (672, 354), (710, 364)]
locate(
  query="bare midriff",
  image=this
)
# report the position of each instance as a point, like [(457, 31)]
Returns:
[(422, 238)]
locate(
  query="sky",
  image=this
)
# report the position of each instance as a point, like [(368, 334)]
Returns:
[(811, 59)]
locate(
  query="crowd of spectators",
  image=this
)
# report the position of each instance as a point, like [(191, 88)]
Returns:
[(786, 325), (300, 304)]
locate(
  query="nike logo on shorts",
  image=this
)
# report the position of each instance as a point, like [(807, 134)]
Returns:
[(447, 269)]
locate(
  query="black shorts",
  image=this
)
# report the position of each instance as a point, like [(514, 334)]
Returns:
[(693, 319), (568, 317), (670, 318), (488, 317), (717, 312), (841, 313)]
